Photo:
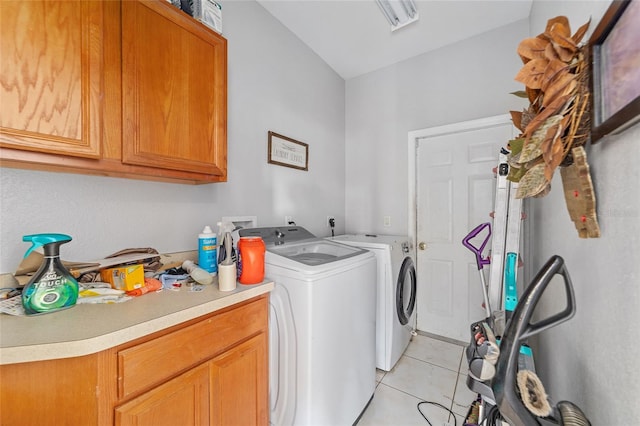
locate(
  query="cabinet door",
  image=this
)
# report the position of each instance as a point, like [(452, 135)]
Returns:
[(180, 401), (174, 80), (51, 76), (239, 384)]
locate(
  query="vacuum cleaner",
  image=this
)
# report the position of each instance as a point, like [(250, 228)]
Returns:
[(501, 366), (513, 389)]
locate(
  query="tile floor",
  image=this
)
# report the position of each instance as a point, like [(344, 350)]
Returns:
[(429, 370)]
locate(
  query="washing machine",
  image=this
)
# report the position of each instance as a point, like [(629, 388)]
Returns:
[(396, 289), (322, 327)]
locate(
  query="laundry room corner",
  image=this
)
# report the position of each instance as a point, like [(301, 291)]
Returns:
[(429, 90), (604, 270)]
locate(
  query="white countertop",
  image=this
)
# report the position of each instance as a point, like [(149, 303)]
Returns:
[(89, 328)]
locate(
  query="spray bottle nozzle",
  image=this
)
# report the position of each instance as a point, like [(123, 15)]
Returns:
[(43, 240), (224, 227)]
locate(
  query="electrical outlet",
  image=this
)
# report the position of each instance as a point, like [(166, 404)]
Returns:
[(331, 219), (288, 220), (387, 221)]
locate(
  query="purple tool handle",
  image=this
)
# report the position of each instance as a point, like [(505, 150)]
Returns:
[(478, 250)]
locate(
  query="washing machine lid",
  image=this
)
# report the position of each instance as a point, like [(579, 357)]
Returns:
[(315, 252), (371, 240), (298, 244)]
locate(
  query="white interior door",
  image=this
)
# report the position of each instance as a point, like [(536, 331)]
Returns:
[(454, 193)]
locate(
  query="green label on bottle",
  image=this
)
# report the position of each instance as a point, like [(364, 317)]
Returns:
[(52, 292)]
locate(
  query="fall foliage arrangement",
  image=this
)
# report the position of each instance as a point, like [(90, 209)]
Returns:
[(555, 74), (556, 124)]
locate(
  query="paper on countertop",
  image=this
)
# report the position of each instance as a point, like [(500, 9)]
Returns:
[(31, 263), (173, 282), (101, 293), (12, 306)]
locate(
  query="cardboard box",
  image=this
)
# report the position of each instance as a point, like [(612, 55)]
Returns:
[(125, 278), (209, 12)]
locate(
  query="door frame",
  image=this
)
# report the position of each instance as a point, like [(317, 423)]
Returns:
[(447, 129)]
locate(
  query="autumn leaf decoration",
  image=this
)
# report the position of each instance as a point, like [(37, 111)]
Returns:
[(555, 75)]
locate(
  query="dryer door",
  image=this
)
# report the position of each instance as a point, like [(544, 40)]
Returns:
[(406, 291)]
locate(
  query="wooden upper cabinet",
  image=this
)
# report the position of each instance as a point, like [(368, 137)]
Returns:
[(129, 88), (174, 90), (51, 76)]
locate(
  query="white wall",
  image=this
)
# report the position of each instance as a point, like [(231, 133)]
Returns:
[(275, 83), (592, 359), (464, 81)]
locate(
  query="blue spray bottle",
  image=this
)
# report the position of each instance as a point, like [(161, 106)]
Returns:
[(52, 287)]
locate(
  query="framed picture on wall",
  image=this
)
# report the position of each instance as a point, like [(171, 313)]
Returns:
[(288, 152), (615, 55)]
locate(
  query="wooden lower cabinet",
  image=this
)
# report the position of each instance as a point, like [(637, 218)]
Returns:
[(227, 390), (184, 400), (237, 380), (208, 371)]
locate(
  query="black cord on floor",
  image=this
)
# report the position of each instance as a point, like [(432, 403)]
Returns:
[(493, 416), (455, 421)]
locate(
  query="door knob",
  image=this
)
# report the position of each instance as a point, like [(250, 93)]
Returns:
[(422, 246)]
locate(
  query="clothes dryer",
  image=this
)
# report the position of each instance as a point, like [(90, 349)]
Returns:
[(322, 327), (396, 291)]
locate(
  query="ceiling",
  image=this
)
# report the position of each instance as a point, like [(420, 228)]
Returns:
[(354, 38)]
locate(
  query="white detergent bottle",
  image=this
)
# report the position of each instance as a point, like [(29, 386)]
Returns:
[(207, 250)]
